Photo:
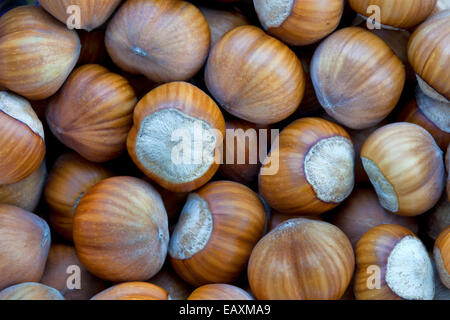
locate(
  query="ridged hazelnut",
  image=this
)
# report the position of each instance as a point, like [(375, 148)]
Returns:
[(222, 21), (428, 55), (432, 115), (218, 291), (93, 13), (354, 92), (301, 259), (315, 160), (37, 53), (21, 139), (362, 211), (70, 178), (441, 254), (216, 232), (176, 136), (120, 230), (30, 291), (406, 167), (133, 291), (93, 112), (241, 158), (398, 14), (240, 68), (61, 272), (299, 22), (26, 193), (24, 245), (166, 40), (392, 264), (167, 279)]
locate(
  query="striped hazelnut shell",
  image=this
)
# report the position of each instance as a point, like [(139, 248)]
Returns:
[(441, 254), (217, 230), (37, 52), (219, 291), (120, 230), (133, 291), (290, 189), (255, 77), (93, 113), (30, 291), (358, 79), (301, 259)]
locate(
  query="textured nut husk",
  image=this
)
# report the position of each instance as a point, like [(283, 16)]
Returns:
[(219, 291), (440, 129), (442, 256), (70, 178), (238, 220), (192, 102), (167, 279), (362, 211), (247, 74), (120, 230), (247, 172), (374, 250), (21, 139), (30, 291), (411, 162), (133, 291), (92, 13), (24, 244), (399, 14), (305, 21), (166, 40), (428, 52), (26, 193), (301, 259), (93, 112), (37, 53), (57, 274), (357, 93), (222, 21), (297, 196)]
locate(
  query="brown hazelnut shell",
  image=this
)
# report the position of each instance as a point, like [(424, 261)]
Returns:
[(219, 291)]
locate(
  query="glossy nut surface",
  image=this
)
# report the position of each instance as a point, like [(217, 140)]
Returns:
[(219, 291)]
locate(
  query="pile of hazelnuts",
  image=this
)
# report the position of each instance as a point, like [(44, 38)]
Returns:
[(350, 201)]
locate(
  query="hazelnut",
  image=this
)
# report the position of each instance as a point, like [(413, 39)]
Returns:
[(219, 291), (37, 52), (315, 173), (92, 114), (441, 254), (216, 232), (301, 259), (392, 264), (120, 230), (133, 291), (30, 291), (406, 167), (239, 69)]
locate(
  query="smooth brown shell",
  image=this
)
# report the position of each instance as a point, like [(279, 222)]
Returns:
[(37, 53), (302, 259), (24, 245), (30, 291), (133, 291), (356, 93), (120, 230), (92, 114), (442, 247), (166, 40), (255, 77), (219, 291)]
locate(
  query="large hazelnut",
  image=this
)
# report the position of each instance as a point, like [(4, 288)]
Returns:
[(37, 52), (30, 291), (120, 230), (357, 77), (311, 170), (216, 232), (93, 112), (406, 167), (255, 77), (133, 291), (166, 40), (218, 291), (176, 136)]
